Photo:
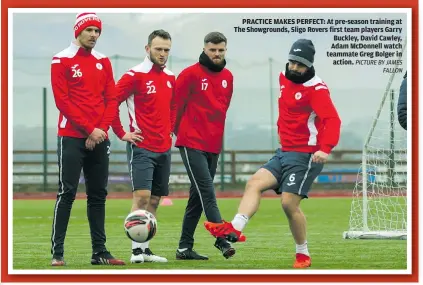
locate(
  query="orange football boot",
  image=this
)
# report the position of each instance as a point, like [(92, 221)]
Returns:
[(302, 261), (225, 230)]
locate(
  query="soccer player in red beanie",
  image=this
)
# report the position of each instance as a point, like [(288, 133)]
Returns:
[(308, 128), (202, 97), (85, 95), (147, 89)]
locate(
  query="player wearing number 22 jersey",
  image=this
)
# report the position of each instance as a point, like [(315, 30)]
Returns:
[(148, 89)]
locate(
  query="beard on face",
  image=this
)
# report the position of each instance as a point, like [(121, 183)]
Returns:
[(295, 73), (299, 77), (217, 60), (155, 61)]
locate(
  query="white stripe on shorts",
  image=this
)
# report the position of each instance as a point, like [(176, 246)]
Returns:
[(305, 175)]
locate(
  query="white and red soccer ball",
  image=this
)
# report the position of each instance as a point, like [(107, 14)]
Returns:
[(140, 226)]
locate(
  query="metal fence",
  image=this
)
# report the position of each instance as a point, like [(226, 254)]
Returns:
[(234, 169)]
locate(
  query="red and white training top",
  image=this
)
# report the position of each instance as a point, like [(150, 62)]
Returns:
[(84, 91), (148, 90), (308, 121), (199, 108)]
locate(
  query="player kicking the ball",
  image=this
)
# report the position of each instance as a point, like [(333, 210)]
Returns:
[(308, 129)]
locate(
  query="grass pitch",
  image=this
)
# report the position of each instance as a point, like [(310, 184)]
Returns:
[(269, 243)]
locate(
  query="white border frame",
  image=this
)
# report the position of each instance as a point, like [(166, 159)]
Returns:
[(131, 271)]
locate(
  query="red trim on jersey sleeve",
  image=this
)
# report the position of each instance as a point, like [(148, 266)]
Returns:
[(60, 90), (324, 108), (125, 87), (110, 96)]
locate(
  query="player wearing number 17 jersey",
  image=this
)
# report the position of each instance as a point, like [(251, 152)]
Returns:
[(202, 97), (308, 129)]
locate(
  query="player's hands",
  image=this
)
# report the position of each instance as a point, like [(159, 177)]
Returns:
[(133, 137), (98, 136), (90, 144), (320, 157)]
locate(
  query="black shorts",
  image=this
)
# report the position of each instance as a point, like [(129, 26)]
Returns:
[(294, 171), (149, 170)]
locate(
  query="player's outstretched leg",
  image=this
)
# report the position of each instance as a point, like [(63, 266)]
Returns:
[(261, 181)]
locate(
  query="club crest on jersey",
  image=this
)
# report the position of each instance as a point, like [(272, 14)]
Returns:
[(169, 84), (298, 96), (224, 83), (99, 66)]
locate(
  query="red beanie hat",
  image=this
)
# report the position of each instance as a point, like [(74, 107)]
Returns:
[(84, 20)]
